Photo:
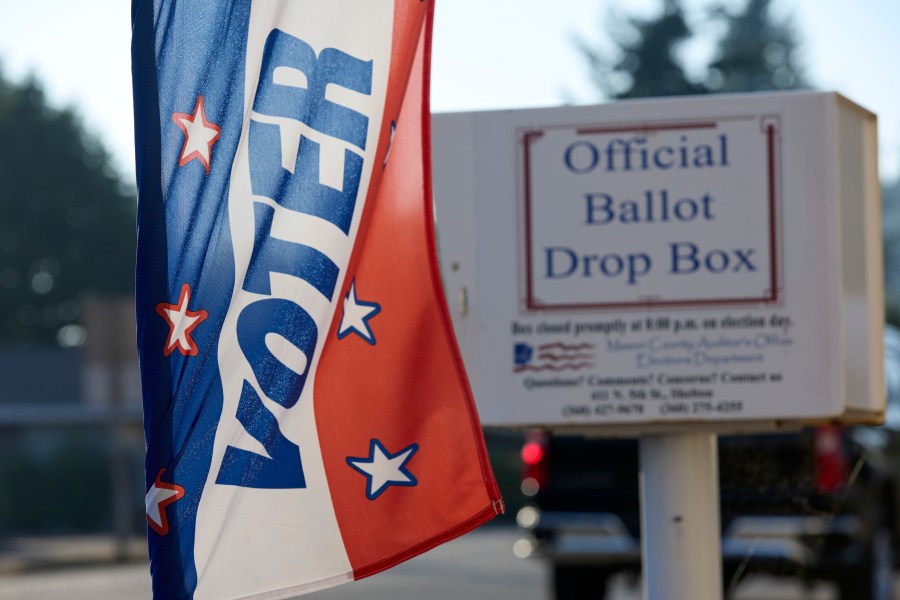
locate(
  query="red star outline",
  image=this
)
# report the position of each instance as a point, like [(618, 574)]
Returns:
[(182, 306), (163, 527), (198, 110)]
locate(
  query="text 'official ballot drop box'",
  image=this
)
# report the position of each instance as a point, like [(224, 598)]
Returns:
[(711, 261)]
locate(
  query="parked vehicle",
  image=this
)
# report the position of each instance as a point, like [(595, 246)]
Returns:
[(819, 504)]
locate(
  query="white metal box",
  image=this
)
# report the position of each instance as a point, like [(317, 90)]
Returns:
[(665, 263)]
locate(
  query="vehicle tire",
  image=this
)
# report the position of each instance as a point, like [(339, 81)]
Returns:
[(579, 582), (875, 578)]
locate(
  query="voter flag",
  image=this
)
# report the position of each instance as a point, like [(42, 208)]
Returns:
[(307, 417)]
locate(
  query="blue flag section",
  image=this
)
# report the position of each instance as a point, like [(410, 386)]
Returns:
[(184, 254)]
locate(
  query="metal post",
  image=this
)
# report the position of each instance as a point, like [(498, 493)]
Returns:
[(121, 350), (680, 536), (109, 322)]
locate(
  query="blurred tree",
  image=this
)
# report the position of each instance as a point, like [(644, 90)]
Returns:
[(66, 219), (890, 194), (646, 62), (757, 53)]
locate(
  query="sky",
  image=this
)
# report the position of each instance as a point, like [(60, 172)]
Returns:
[(488, 54)]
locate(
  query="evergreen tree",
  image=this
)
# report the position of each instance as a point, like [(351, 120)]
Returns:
[(757, 53), (647, 64), (890, 195), (66, 219)]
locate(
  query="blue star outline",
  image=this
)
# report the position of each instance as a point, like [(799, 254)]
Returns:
[(378, 462), (356, 315)]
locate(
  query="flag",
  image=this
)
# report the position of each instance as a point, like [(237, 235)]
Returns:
[(307, 416)]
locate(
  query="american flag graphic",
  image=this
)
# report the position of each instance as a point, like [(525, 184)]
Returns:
[(555, 356)]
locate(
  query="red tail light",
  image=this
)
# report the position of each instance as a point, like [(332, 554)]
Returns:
[(534, 460), (831, 463), (532, 453)]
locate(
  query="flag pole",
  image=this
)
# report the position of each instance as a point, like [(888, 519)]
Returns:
[(680, 539)]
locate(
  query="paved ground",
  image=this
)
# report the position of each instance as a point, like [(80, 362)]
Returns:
[(479, 566), (27, 554)]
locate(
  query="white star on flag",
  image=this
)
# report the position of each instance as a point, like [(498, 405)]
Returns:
[(383, 469), (160, 495), (181, 323), (199, 135), (356, 316)]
